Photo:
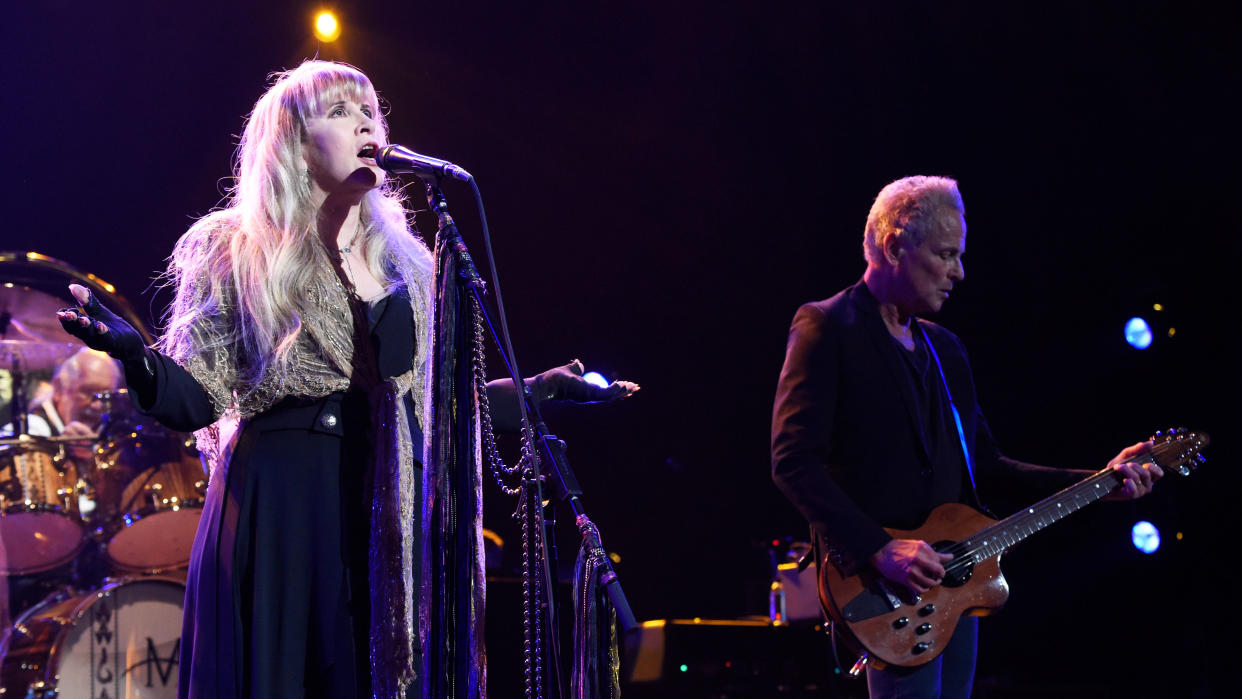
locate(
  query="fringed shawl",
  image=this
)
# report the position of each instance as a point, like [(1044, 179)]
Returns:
[(451, 616)]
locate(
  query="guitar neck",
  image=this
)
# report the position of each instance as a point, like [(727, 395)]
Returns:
[(1005, 534)]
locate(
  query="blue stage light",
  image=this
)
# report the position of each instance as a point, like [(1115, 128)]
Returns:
[(596, 379), (1145, 536), (1138, 333)]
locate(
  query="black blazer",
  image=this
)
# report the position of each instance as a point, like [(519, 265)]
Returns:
[(846, 449)]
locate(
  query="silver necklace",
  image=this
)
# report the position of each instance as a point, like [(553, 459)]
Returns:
[(348, 269), (349, 247)]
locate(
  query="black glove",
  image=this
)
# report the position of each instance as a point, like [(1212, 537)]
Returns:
[(566, 383), (101, 329)]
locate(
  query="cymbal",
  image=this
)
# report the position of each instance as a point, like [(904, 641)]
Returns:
[(31, 337), (33, 356), (51, 276), (29, 314)]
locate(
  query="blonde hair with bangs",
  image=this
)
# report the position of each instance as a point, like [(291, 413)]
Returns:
[(243, 272)]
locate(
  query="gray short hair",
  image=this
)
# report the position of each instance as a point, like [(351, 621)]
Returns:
[(908, 208)]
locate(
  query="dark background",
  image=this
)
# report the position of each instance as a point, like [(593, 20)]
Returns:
[(666, 183)]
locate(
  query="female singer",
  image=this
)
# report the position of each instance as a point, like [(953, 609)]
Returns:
[(293, 303)]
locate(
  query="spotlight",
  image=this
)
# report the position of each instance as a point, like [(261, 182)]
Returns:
[(1145, 536), (1138, 333), (326, 27), (595, 379)]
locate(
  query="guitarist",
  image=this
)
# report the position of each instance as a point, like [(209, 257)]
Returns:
[(863, 429)]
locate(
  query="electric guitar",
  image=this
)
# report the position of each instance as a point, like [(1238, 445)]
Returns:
[(893, 625)]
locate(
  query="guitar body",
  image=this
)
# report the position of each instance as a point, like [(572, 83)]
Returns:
[(897, 627), (889, 620)]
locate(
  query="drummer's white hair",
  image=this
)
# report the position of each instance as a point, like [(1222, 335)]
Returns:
[(85, 361), (257, 255)]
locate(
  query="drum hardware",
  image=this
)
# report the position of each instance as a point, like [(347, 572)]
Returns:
[(58, 439)]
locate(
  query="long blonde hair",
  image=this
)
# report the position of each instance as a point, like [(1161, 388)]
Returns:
[(242, 271)]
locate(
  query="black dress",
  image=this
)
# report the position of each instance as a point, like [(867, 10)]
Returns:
[(277, 600)]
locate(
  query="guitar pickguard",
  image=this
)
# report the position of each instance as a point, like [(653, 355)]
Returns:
[(877, 598)]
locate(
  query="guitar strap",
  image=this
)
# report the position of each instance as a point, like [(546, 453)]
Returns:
[(957, 417)]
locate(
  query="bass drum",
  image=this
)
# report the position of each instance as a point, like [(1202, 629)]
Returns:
[(121, 640)]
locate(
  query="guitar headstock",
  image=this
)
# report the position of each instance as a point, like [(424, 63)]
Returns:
[(1179, 449)]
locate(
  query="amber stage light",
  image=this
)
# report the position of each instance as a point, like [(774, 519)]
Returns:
[(327, 28)]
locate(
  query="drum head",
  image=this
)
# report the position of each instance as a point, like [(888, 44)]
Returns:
[(158, 541), (36, 541), (123, 640)]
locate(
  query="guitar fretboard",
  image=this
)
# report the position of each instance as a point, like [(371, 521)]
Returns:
[(1006, 533)]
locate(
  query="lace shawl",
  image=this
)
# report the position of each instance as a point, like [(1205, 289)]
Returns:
[(320, 362)]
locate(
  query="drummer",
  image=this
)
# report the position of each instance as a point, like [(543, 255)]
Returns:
[(74, 407)]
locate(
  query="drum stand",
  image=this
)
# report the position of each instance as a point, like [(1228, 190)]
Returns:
[(544, 463)]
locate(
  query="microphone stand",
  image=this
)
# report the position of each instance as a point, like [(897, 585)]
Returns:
[(547, 447)]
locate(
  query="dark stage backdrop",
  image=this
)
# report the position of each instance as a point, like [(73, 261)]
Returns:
[(666, 182)]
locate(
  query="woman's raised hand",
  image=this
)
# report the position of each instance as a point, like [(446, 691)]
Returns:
[(99, 328)]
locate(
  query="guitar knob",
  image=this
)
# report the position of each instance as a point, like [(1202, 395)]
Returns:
[(920, 647), (922, 629), (901, 623), (927, 610)]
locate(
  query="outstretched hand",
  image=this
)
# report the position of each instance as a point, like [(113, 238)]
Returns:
[(99, 328), (566, 383), (560, 383)]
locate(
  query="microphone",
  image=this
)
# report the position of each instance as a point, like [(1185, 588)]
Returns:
[(399, 159)]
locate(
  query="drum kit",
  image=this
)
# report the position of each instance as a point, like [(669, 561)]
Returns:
[(102, 523)]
